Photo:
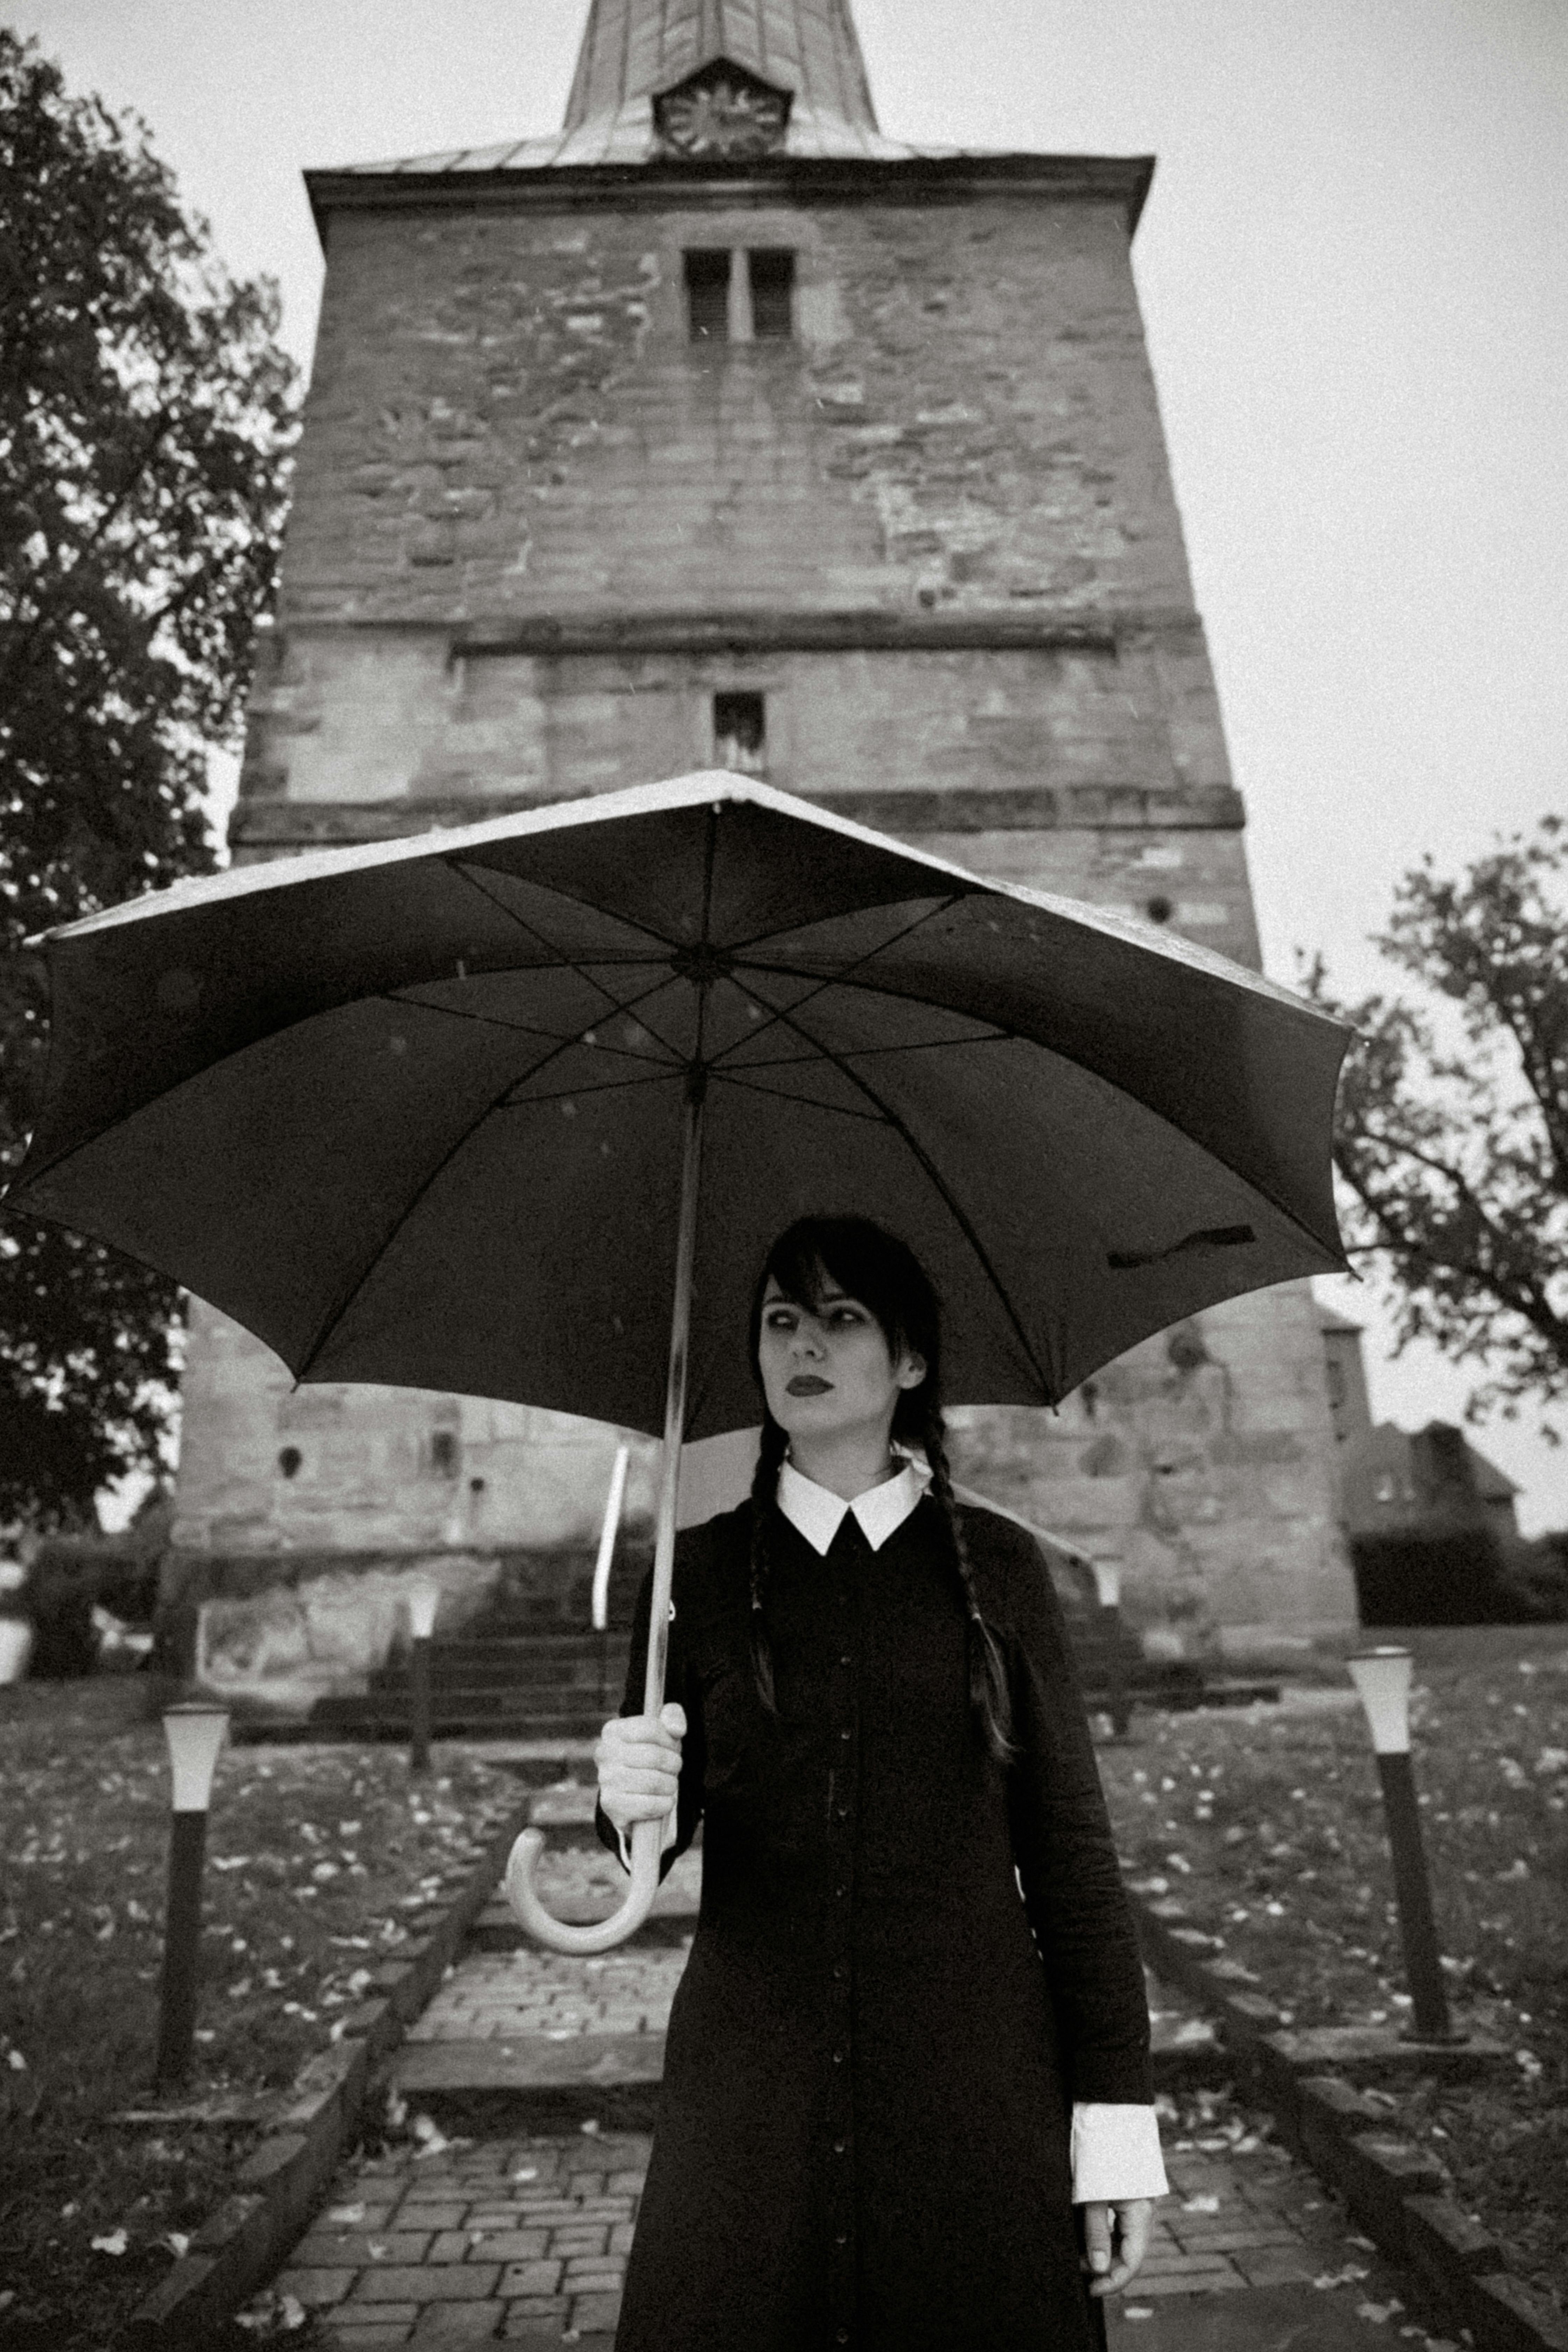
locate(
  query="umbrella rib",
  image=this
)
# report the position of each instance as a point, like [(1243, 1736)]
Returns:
[(1002, 1036), (941, 907), (561, 961), (802, 1102), (668, 1072), (869, 1052), (843, 978), (945, 1189), (574, 1037), (346, 1297)]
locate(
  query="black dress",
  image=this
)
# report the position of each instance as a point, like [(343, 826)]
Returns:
[(873, 2052)]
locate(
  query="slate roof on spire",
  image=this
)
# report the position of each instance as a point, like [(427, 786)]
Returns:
[(633, 49)]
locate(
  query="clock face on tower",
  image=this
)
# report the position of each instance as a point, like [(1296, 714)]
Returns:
[(722, 111)]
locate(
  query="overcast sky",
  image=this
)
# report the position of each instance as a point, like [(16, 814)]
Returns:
[(1354, 272)]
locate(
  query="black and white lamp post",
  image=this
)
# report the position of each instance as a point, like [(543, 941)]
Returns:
[(423, 1598), (1108, 1593), (195, 1731), (1382, 1678)]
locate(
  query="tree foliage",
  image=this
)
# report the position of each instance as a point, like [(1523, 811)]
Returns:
[(1452, 1139), (146, 415)]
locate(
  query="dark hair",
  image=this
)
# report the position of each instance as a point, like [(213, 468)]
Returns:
[(859, 1259)]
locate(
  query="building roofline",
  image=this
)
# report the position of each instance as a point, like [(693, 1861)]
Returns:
[(946, 178)]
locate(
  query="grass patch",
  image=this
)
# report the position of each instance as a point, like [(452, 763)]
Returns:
[(321, 1861), (1268, 1825)]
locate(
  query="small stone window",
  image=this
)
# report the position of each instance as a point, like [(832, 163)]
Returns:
[(444, 1453), (289, 1461), (708, 294), (740, 733), (772, 273), (739, 296)]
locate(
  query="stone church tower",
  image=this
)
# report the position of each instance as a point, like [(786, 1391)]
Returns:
[(721, 429)]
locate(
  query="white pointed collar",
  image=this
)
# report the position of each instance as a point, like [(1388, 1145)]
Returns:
[(880, 1511)]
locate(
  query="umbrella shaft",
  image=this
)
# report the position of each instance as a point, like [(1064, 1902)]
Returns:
[(674, 1403)]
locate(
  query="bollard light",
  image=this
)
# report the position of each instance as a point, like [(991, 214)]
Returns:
[(1382, 1676), (1108, 1591), (423, 1598), (195, 1731)]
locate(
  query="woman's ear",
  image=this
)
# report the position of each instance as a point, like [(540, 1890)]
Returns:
[(911, 1371)]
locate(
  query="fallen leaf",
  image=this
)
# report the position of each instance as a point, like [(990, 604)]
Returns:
[(113, 2242)]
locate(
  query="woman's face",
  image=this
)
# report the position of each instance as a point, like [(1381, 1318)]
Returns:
[(828, 1373)]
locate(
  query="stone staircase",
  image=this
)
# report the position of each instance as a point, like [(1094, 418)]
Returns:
[(532, 1685), (531, 1669)]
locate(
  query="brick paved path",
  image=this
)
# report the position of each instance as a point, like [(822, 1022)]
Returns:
[(524, 2240), (519, 2240), (502, 1996)]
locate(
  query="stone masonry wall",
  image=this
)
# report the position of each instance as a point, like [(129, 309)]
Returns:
[(506, 417), (343, 719), (509, 433)]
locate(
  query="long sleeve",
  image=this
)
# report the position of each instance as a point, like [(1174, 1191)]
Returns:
[(678, 1685), (1066, 1854), (1115, 2153)]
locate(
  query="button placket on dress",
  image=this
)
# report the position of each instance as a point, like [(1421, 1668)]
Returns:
[(848, 1554)]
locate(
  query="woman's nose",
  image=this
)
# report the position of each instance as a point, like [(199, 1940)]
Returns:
[(806, 1342)]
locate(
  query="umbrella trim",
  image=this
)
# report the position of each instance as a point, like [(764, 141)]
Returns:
[(718, 787)]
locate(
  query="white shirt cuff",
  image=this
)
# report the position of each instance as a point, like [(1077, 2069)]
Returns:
[(1115, 2153)]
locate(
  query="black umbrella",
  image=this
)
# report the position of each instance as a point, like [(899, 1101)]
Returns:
[(433, 1112)]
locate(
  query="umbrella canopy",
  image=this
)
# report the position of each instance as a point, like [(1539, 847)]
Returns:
[(415, 1113)]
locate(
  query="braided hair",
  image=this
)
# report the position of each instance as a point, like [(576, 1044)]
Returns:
[(887, 1278)]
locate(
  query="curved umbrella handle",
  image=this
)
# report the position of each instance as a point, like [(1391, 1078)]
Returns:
[(599, 1934), (594, 1935)]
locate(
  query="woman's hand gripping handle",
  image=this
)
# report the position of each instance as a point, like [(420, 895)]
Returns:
[(638, 1758)]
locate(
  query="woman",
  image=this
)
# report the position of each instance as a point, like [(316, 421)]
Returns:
[(887, 2080)]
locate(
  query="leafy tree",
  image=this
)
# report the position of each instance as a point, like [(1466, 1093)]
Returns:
[(145, 416), (1452, 1139)]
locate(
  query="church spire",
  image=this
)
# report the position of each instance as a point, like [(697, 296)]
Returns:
[(634, 50)]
